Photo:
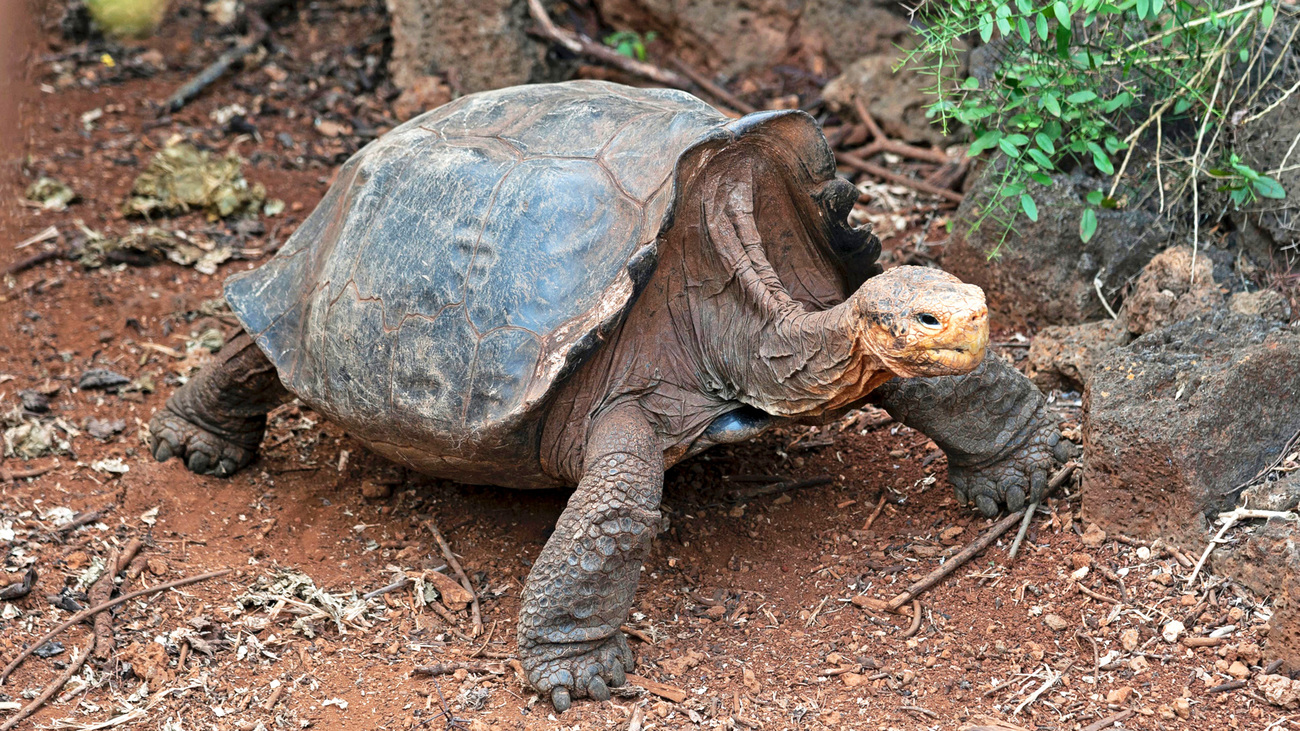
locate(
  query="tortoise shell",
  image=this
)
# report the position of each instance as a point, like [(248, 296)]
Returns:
[(462, 265)]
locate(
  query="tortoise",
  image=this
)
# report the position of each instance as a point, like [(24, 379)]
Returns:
[(582, 284)]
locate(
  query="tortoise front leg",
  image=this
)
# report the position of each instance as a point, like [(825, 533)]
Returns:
[(992, 423), (581, 587)]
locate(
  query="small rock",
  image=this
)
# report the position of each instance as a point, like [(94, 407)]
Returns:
[(1238, 670), (77, 560), (1249, 653), (1119, 696), (372, 490), (750, 681), (1094, 536), (104, 429), (1056, 622), (1163, 578), (853, 680), (454, 596), (34, 401), (101, 378), (157, 565), (1182, 708), (952, 532), (1080, 573), (1265, 303), (49, 649), (1080, 560), (679, 665), (1280, 690), (717, 611), (1129, 639), (1172, 631)]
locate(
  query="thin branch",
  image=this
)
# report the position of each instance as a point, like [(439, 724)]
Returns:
[(73, 668), (88, 613), (877, 171), (582, 45), (432, 527)]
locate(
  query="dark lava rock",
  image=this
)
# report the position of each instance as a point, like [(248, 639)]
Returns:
[(1178, 420), (34, 401), (102, 378), (49, 649), (1043, 272)]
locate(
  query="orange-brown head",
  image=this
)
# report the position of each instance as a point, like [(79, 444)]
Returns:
[(923, 322)]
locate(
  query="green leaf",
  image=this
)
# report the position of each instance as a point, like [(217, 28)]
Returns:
[(1087, 225), (985, 141), (1144, 9), (1045, 143), (1041, 179), (1008, 148), (1026, 7), (1181, 106), (1022, 25), (1039, 157), (1113, 145), (1243, 55), (1062, 13), (1266, 15), (1100, 159), (1063, 36), (1018, 140), (1040, 24), (1028, 206), (1051, 105), (1123, 99), (1269, 188), (1081, 97), (1156, 7), (1095, 197), (971, 83), (1004, 26), (986, 28)]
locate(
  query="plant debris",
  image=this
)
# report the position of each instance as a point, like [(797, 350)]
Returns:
[(51, 194), (182, 178)]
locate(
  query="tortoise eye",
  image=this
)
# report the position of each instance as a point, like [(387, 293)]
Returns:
[(927, 319)]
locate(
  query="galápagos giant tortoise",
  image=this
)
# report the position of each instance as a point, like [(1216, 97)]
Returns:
[(582, 284)]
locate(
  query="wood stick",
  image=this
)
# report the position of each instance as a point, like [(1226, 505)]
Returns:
[(1108, 721), (100, 591), (1057, 480), (92, 611), (258, 30), (584, 46), (668, 692), (880, 505), (916, 619), (73, 668), (447, 668), (784, 487), (877, 171), (951, 565), (882, 143), (713, 89), (1098, 596), (432, 527), (23, 265)]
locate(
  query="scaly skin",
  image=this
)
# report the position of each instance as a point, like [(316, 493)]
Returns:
[(582, 585), (993, 424), (216, 421)]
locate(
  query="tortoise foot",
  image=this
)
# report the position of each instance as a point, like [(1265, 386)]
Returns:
[(204, 452), (1017, 478), (563, 676)]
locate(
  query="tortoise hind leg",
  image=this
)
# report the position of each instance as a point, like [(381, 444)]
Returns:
[(215, 422)]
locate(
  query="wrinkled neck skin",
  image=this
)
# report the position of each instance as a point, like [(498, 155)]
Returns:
[(770, 350)]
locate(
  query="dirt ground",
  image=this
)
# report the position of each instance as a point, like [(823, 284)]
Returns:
[(746, 616)]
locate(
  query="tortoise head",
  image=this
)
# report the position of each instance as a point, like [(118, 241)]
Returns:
[(923, 322)]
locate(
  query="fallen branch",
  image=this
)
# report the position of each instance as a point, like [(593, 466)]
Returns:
[(1057, 480), (23, 265), (584, 46), (92, 611), (100, 591), (447, 668), (784, 486), (1108, 721), (477, 617), (73, 668), (916, 619), (1230, 519), (1051, 680), (713, 89), (1098, 596), (952, 564), (258, 30), (882, 143), (1230, 685), (668, 692), (853, 161), (880, 505)]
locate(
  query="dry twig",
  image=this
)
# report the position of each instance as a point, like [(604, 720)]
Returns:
[(956, 561), (73, 668), (476, 615), (85, 614), (877, 171), (1057, 480), (1108, 721), (584, 46)]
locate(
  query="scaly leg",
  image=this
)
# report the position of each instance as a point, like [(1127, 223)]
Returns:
[(216, 421), (582, 585), (993, 424)]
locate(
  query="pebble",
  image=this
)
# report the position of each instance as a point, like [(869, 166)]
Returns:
[(1129, 639), (1182, 708), (1238, 670), (1094, 536), (157, 565), (1056, 622), (372, 490), (1172, 631)]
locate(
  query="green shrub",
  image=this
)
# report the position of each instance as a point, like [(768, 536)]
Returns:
[(1086, 82)]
